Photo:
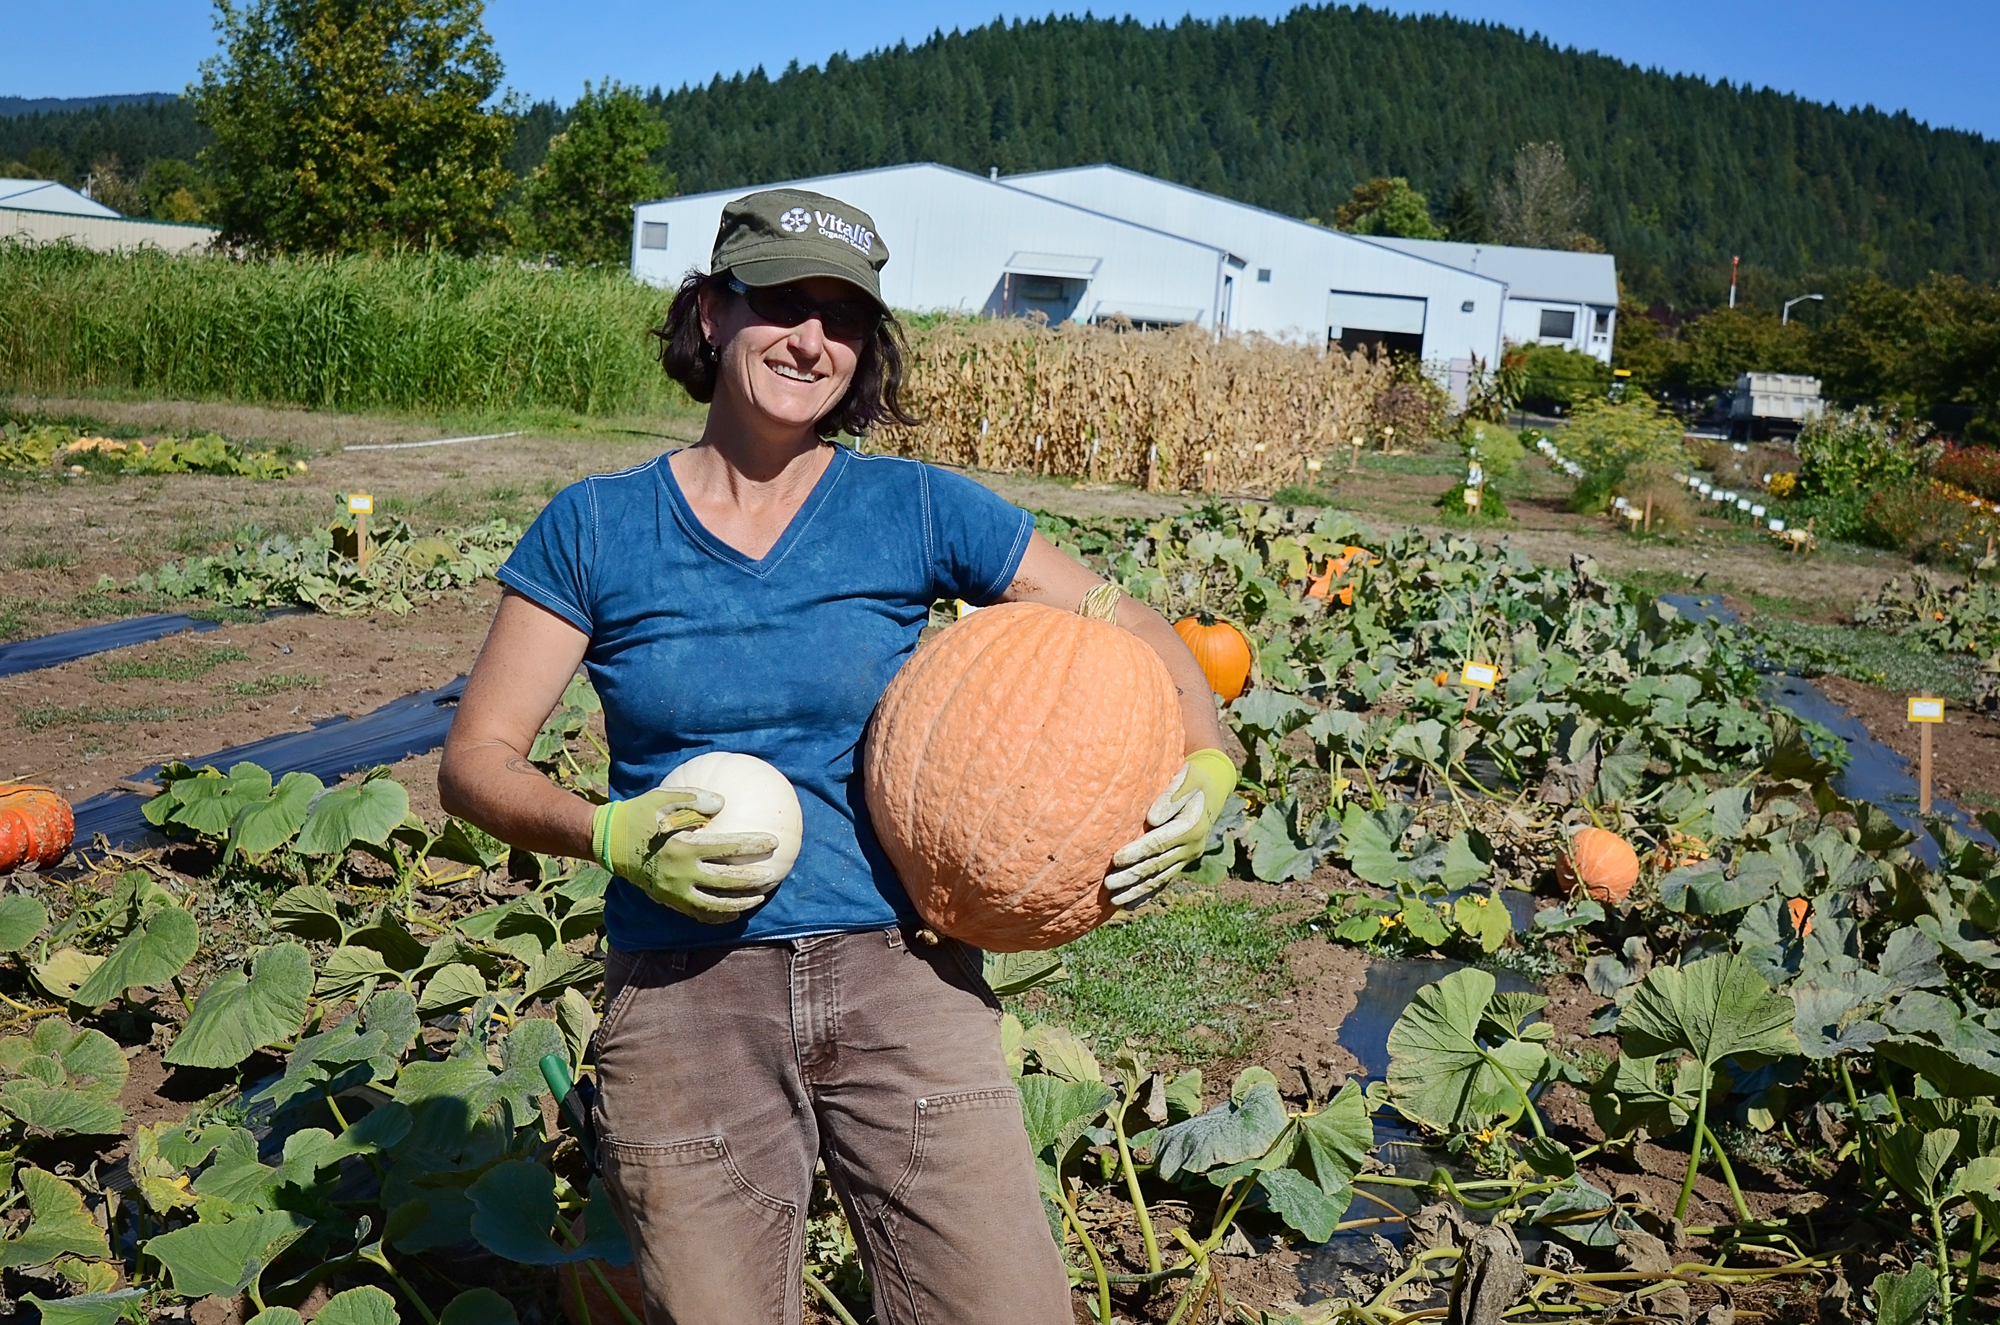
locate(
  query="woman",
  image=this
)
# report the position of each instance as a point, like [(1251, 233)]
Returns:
[(756, 592)]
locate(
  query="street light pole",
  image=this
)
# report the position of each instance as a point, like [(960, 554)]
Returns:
[(1786, 316)]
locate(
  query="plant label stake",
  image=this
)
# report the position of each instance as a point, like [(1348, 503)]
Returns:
[(1926, 713), (1478, 677), (1354, 456), (1471, 498), (359, 505)]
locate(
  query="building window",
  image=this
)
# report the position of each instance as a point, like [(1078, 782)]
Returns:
[(1558, 323), (1465, 307), (652, 234), (1263, 276)]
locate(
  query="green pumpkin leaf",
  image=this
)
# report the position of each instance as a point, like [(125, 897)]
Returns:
[(221, 1259), (21, 919), (1301, 1203), (1338, 1138), (1440, 1074), (514, 1209), (479, 1306), (363, 812), (367, 1305), (264, 826), (1012, 973), (210, 802), (68, 1081), (453, 987), (65, 969), (240, 1014), (1711, 1008), (1904, 1299), (150, 955), (277, 1316), (58, 1225), (1056, 1111), (95, 1308), (308, 912), (1233, 1132)]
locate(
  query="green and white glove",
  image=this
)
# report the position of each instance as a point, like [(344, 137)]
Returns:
[(1179, 824), (655, 841)]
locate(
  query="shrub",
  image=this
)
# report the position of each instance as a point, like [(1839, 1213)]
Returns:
[(1553, 376), (1654, 483), (1610, 438), (1929, 520), (1491, 509), (1974, 468), (1858, 450), (1497, 450)]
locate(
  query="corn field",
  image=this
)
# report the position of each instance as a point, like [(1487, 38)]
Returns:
[(1161, 409)]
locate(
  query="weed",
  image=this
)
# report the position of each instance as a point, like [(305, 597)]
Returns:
[(42, 717), (1873, 658), (1303, 494), (1167, 971), (275, 683), (46, 558), (181, 666)]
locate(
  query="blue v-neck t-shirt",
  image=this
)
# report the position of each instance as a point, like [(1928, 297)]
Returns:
[(695, 647)]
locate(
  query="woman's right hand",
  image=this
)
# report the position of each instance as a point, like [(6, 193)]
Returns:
[(656, 842)]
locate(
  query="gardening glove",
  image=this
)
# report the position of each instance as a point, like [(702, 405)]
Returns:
[(655, 841), (1180, 821)]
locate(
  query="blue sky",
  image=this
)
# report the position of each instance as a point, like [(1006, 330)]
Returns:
[(1934, 58)]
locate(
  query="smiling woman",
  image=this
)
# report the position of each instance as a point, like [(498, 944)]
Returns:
[(756, 593)]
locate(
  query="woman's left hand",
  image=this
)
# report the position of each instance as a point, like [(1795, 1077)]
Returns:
[(1179, 824)]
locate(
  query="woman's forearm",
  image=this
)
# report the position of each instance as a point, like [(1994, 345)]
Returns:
[(495, 787), (1198, 717)]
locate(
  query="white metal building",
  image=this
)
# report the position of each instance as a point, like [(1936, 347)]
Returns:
[(961, 242), (1292, 279), (45, 195), (1100, 241), (1553, 297), (40, 211)]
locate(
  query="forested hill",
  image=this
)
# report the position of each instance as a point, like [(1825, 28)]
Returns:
[(1292, 114)]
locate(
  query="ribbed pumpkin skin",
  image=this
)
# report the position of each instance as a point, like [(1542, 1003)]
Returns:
[(1008, 760), (36, 827), (1604, 861), (1221, 650)]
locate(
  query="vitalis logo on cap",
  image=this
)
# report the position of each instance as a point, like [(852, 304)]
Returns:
[(861, 237), (795, 221)]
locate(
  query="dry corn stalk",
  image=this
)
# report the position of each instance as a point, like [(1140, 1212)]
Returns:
[(1176, 409)]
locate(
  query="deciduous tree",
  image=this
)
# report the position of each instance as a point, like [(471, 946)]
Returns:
[(1538, 203), (1387, 206), (577, 204), (346, 125)]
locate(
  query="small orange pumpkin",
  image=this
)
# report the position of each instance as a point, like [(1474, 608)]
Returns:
[(1801, 912), (1008, 760), (1222, 651), (1321, 585), (1602, 861), (36, 827)]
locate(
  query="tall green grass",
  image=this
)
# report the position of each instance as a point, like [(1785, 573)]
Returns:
[(422, 334)]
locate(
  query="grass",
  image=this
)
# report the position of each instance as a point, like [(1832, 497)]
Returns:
[(187, 665), (42, 717), (1155, 978), (46, 558), (418, 332), (1303, 494), (276, 683)]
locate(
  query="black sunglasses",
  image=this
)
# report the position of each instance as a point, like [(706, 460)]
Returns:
[(788, 306)]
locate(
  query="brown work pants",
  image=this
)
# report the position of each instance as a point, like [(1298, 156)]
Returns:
[(726, 1072)]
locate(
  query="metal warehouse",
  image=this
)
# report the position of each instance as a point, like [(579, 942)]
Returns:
[(1099, 242)]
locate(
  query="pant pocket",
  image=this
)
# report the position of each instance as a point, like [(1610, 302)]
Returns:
[(711, 1247)]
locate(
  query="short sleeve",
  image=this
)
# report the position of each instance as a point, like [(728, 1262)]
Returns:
[(552, 563), (977, 538)]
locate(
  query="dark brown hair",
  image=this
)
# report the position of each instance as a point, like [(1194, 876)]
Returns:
[(874, 396)]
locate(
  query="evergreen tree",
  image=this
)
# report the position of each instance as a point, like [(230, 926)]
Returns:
[(577, 204), (344, 125), (1465, 216)]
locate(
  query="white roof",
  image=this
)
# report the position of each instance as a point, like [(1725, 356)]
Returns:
[(42, 195), (1530, 273)]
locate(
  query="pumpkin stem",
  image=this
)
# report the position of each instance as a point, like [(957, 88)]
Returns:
[(1101, 604)]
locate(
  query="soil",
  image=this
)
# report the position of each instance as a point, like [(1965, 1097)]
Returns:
[(79, 730), (1965, 747)]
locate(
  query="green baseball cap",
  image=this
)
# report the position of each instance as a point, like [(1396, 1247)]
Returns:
[(780, 236)]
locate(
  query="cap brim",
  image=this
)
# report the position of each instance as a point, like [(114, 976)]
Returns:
[(790, 270)]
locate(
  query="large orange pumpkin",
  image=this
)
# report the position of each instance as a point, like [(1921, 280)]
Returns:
[(36, 827), (1222, 651), (1602, 861), (1008, 760)]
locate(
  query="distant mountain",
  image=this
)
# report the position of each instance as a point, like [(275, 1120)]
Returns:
[(41, 105), (1683, 173)]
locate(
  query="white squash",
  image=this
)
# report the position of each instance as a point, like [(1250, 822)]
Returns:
[(756, 798)]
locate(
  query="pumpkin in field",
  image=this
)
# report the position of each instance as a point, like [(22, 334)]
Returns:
[(1321, 585), (1222, 651), (36, 827), (1603, 862), (1008, 760)]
